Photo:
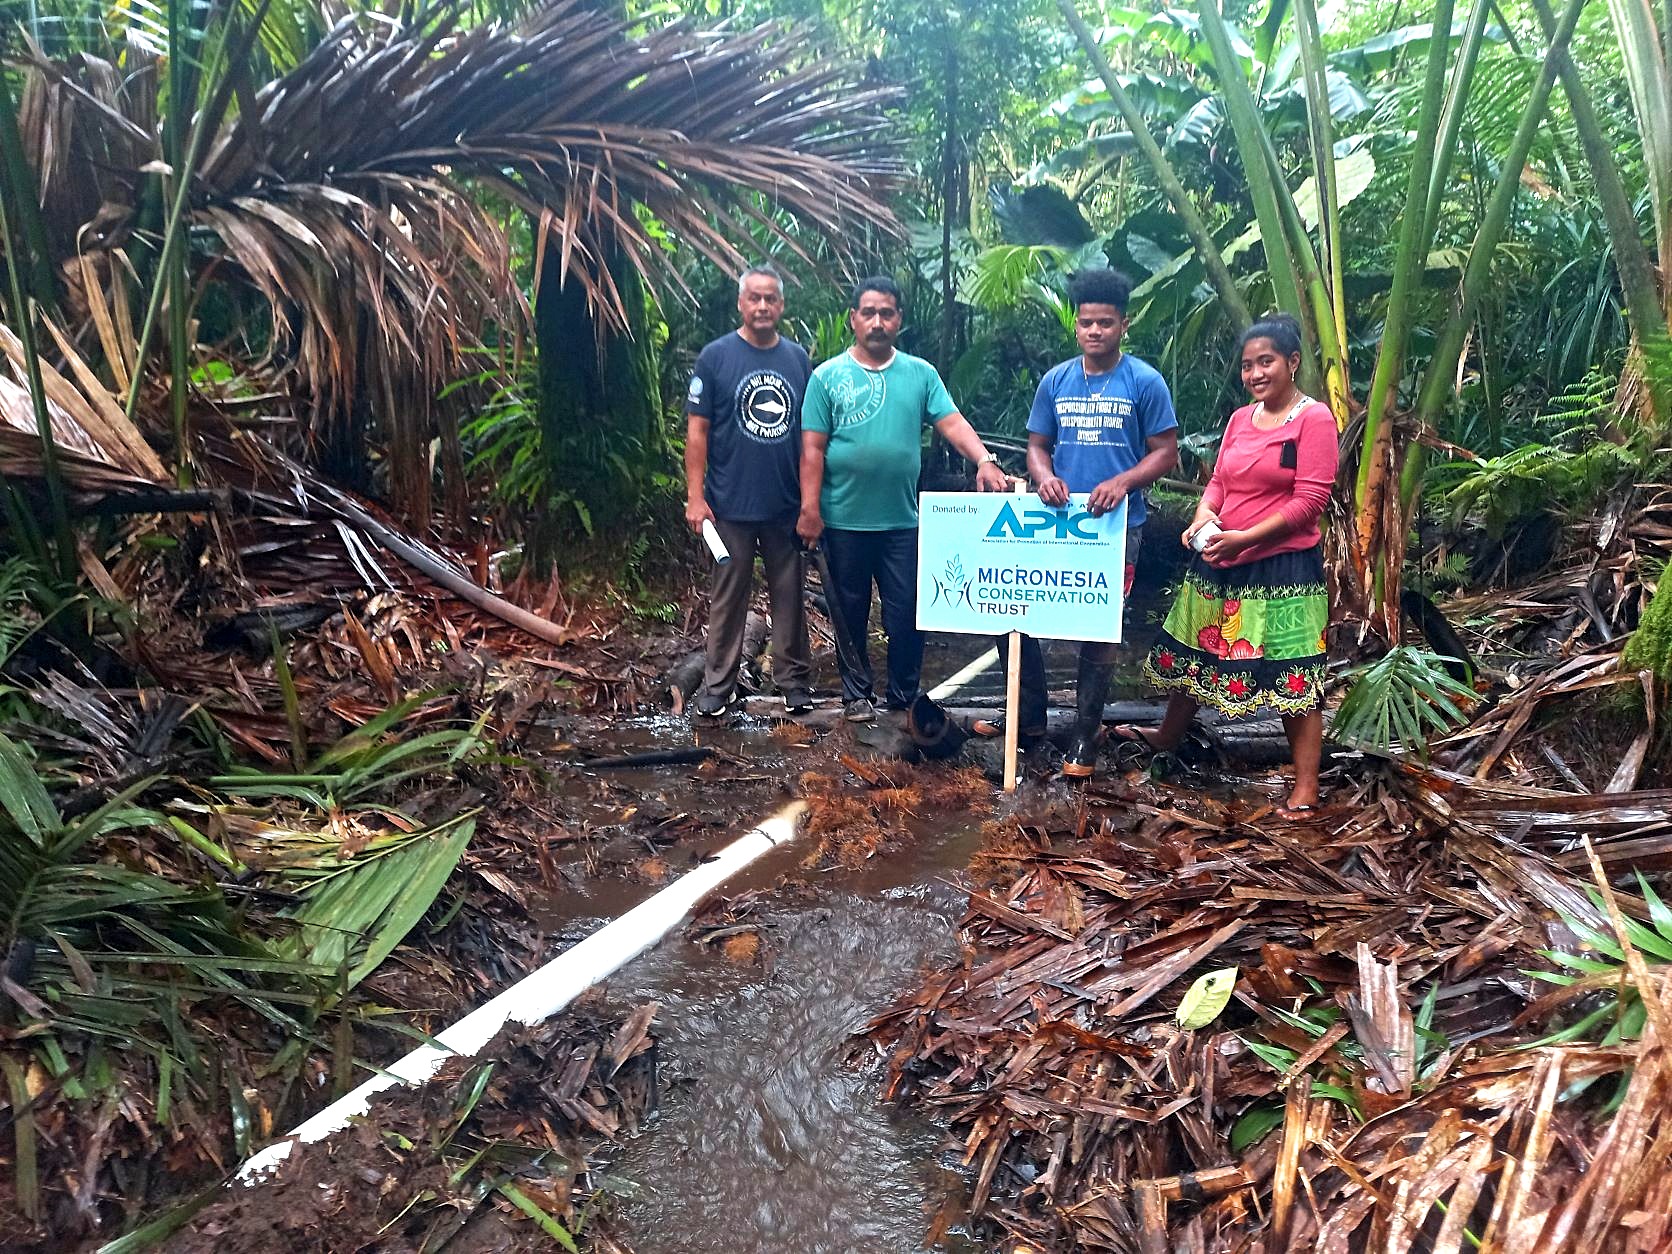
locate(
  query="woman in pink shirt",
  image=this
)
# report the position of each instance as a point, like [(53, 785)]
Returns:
[(1246, 631)]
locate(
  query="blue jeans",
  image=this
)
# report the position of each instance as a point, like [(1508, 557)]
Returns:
[(888, 559)]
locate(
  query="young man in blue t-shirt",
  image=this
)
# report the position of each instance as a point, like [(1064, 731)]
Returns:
[(1101, 423)]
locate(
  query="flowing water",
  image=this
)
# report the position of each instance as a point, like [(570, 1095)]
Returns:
[(769, 1139)]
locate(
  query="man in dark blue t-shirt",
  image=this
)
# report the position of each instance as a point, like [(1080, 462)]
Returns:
[(742, 472), (1102, 423)]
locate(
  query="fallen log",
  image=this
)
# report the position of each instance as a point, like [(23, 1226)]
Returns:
[(440, 571), (685, 675)]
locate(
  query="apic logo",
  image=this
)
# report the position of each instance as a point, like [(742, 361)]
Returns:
[(1063, 524)]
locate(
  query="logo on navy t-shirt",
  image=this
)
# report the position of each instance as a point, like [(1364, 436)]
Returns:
[(764, 405)]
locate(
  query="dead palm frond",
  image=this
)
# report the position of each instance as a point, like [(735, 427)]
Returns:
[(350, 192), (98, 450)]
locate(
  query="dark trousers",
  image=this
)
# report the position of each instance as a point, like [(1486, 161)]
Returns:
[(1033, 695), (889, 559), (728, 608)]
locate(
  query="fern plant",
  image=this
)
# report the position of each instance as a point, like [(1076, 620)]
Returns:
[(1530, 478), (18, 575), (1399, 701), (1571, 469)]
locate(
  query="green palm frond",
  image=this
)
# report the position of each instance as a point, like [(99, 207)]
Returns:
[(1614, 1010), (1399, 701), (356, 910), (1006, 275), (103, 949)]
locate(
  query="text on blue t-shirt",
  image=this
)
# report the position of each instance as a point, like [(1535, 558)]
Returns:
[(1100, 425)]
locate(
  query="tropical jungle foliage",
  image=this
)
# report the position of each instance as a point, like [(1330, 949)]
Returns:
[(458, 258)]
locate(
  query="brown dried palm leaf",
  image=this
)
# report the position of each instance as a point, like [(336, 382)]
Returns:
[(349, 192), (102, 450)]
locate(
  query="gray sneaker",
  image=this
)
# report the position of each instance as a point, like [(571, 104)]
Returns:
[(860, 711)]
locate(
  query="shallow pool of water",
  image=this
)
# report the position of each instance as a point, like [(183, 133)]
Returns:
[(768, 1139)]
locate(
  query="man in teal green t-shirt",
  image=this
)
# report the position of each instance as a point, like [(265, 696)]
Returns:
[(862, 423)]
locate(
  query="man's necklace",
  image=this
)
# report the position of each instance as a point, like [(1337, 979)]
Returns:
[(1107, 376)]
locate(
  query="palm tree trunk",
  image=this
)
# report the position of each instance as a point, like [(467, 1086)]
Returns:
[(1321, 135), (1451, 116), (591, 377), (1645, 58), (18, 185), (1448, 349), (1264, 186), (950, 169), (1394, 509), (1638, 281), (1375, 500)]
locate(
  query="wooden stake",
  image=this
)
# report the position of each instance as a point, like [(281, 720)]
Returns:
[(1013, 687), (1012, 709)]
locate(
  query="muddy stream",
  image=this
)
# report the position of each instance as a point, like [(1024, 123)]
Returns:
[(769, 1139)]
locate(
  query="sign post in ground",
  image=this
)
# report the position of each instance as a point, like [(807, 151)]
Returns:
[(993, 564)]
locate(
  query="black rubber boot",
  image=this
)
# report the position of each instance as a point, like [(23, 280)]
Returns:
[(1092, 689)]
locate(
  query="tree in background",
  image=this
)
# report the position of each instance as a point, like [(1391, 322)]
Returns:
[(360, 194)]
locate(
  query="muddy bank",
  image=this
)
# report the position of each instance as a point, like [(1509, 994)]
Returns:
[(491, 1154)]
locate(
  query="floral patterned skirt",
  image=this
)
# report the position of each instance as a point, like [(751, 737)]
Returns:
[(1246, 637)]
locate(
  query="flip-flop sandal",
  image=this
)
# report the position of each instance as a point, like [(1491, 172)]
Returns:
[(1296, 813), (1134, 735)]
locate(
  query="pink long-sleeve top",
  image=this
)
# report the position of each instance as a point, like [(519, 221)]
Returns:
[(1250, 482)]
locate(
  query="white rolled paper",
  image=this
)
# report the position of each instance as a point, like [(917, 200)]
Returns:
[(716, 545)]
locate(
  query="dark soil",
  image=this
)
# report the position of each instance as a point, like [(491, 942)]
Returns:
[(429, 1164)]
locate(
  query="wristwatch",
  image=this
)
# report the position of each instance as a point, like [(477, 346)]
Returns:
[(986, 458)]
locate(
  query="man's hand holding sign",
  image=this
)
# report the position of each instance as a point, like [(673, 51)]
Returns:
[(1018, 563)]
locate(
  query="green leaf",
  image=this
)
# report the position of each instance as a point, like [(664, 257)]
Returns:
[(1206, 998), (22, 795), (1659, 914), (1274, 1056), (1254, 1126), (1336, 1093), (532, 1209)]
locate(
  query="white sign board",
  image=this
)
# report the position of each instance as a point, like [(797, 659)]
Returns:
[(990, 563)]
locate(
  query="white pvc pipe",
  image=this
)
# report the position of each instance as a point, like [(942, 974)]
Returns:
[(716, 546), (543, 993), (962, 678)]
